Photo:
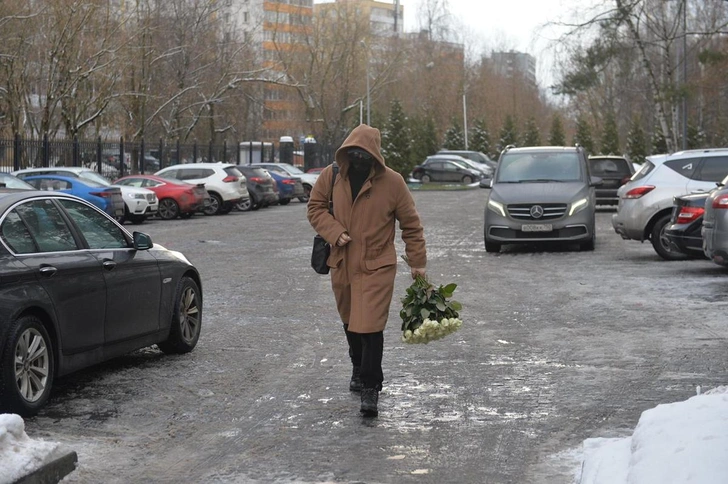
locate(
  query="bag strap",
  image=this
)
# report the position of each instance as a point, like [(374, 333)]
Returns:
[(334, 172)]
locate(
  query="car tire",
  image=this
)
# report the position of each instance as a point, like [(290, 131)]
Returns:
[(246, 205), (307, 191), (467, 179), (492, 247), (284, 201), (184, 331), (214, 206), (168, 209), (426, 179), (589, 244), (660, 242), (26, 395), (137, 219)]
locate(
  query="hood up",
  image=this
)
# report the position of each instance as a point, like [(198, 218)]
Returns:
[(366, 138)]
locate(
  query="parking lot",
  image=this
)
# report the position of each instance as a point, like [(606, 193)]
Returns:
[(557, 346)]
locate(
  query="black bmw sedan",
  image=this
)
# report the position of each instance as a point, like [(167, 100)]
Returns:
[(76, 289)]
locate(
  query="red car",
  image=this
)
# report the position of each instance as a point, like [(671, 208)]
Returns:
[(176, 198)]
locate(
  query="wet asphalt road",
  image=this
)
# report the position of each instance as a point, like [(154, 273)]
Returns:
[(557, 346)]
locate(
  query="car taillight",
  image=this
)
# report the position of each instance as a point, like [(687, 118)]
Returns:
[(289, 181), (689, 214), (102, 194), (639, 191), (256, 179), (230, 179), (721, 201)]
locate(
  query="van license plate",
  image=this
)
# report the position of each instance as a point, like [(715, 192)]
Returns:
[(537, 228)]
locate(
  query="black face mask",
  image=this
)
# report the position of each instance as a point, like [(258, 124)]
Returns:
[(361, 166), (360, 160)]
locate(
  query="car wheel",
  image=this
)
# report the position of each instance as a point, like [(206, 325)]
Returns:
[(590, 244), (284, 201), (426, 179), (214, 206), (168, 209), (28, 367), (245, 205), (467, 179), (660, 242), (492, 247), (225, 209), (186, 319), (307, 191)]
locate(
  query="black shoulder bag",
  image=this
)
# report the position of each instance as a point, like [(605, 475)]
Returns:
[(321, 248)]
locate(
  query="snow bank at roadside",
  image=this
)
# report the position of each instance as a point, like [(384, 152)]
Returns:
[(19, 454)]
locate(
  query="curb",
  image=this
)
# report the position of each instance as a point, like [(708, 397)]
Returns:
[(52, 472)]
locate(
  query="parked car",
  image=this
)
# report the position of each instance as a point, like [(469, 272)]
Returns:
[(308, 180), (445, 168), (260, 187), (11, 181), (107, 198), (176, 198), (289, 187), (646, 201), (223, 181), (683, 232), (79, 289), (476, 156), (316, 171), (140, 203), (614, 171), (715, 224), (541, 194)]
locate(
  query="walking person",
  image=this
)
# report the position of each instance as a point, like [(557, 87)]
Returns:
[(368, 199)]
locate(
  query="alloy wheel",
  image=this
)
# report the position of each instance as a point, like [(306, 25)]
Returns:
[(189, 315), (32, 364)]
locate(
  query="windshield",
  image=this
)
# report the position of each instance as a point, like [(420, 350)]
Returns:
[(291, 169), (9, 181), (94, 177), (539, 167)]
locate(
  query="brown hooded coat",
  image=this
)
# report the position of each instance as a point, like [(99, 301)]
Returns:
[(363, 271)]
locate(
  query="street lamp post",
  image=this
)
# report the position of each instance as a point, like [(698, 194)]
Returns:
[(685, 77), (368, 91)]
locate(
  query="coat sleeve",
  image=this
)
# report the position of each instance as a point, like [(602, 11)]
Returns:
[(413, 234), (318, 208)]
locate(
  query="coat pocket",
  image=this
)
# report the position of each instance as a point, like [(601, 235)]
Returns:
[(335, 258), (388, 259)]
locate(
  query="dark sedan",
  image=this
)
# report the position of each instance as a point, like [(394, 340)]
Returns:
[(444, 168), (76, 289), (261, 187), (683, 230)]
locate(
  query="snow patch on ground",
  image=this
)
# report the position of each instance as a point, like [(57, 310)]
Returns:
[(19, 454)]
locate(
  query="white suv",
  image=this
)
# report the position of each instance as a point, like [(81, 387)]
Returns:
[(223, 181), (646, 201), (140, 203)]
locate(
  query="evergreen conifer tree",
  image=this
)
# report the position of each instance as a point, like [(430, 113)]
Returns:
[(636, 141), (424, 139), (557, 136), (583, 136), (480, 137), (396, 140), (532, 135), (609, 143), (659, 144), (454, 137), (508, 134)]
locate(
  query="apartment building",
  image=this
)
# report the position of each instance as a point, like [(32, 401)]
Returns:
[(512, 64)]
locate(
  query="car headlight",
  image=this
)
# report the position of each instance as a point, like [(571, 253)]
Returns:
[(578, 206), (496, 207), (138, 196)]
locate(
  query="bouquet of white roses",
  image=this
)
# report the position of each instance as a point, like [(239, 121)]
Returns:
[(428, 313)]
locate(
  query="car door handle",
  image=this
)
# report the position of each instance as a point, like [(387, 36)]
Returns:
[(109, 265), (48, 271)]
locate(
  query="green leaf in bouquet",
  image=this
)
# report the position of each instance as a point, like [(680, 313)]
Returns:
[(456, 305), (425, 313), (450, 288), (441, 305)]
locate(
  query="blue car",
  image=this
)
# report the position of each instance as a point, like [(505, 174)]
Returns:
[(108, 199), (288, 187)]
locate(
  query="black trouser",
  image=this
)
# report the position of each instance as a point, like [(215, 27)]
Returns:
[(365, 351)]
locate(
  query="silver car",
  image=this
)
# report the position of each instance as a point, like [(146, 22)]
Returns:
[(646, 201), (715, 225), (543, 194)]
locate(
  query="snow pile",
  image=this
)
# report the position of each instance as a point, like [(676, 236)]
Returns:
[(20, 455), (676, 442)]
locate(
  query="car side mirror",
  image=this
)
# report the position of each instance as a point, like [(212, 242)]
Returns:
[(142, 241), (486, 183), (596, 181)]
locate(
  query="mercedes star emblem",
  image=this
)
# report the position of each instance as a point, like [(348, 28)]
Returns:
[(537, 211)]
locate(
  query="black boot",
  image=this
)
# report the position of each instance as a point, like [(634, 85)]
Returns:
[(355, 383), (369, 400)]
